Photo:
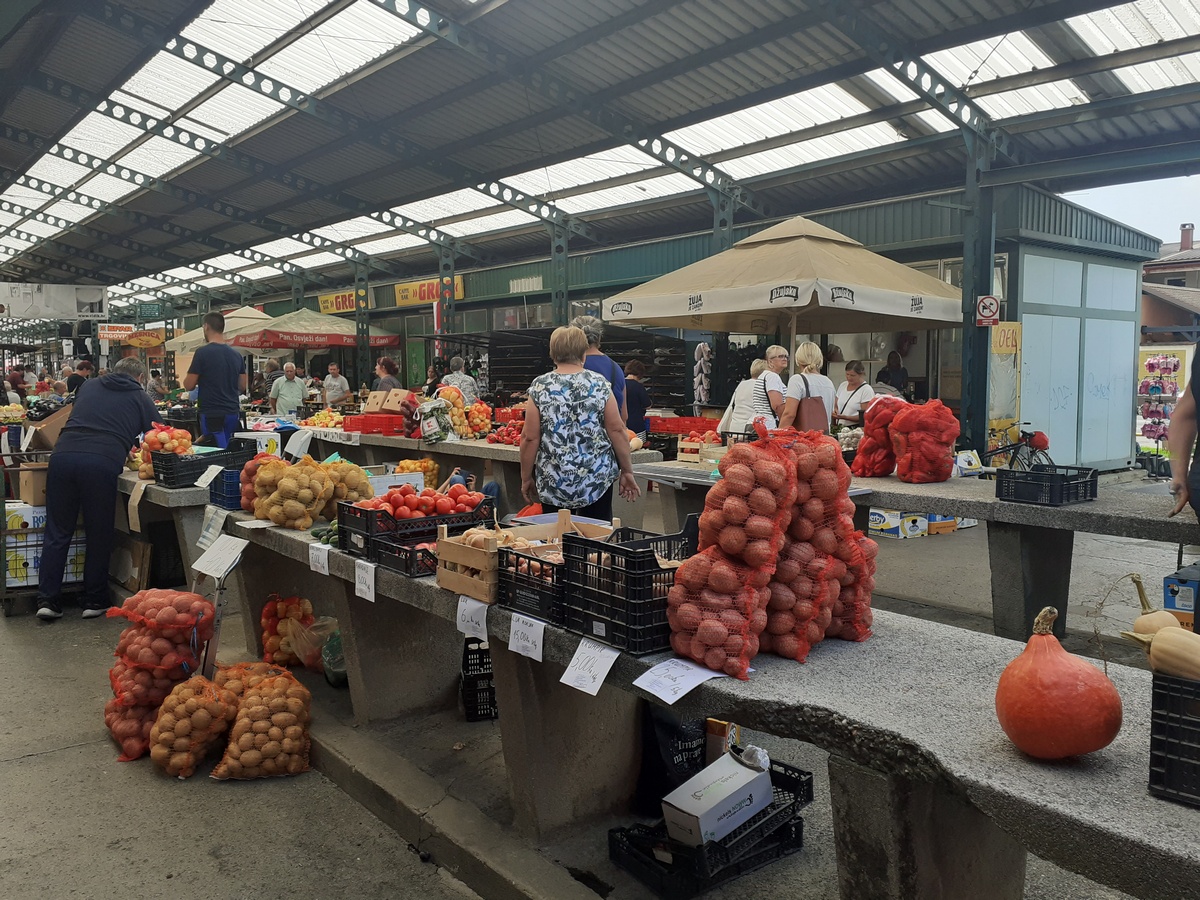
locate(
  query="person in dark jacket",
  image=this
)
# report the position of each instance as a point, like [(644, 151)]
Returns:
[(109, 413)]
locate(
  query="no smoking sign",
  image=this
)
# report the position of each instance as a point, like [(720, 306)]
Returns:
[(987, 311)]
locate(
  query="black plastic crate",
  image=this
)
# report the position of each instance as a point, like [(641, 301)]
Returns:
[(225, 490), (402, 556), (357, 527), (172, 470), (1175, 739), (736, 437), (1047, 485), (477, 657), (622, 601), (479, 697), (633, 849), (536, 595)]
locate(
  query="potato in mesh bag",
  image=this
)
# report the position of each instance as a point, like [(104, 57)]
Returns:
[(240, 677), (190, 722), (270, 733)]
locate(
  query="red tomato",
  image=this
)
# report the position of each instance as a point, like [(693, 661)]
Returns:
[(403, 512), (417, 514), (429, 492), (462, 508), (444, 506), (455, 491), (406, 489), (412, 501), (426, 505)]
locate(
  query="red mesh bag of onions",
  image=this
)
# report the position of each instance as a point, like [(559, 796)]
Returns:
[(717, 610), (851, 614), (923, 438), (747, 512), (875, 456), (130, 727)]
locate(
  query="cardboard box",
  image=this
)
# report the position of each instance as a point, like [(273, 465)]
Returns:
[(714, 802), (966, 463), (375, 401), (21, 565), (46, 432), (394, 402), (129, 565), (719, 737), (965, 523), (1179, 595), (942, 524), (892, 523), (268, 441), (31, 483), (20, 516)]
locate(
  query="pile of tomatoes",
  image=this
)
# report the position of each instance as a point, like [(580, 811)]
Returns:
[(508, 434), (406, 502)]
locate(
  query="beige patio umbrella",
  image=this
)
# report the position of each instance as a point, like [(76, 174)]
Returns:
[(797, 274), (236, 320)]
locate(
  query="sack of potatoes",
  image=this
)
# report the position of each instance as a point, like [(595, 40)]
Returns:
[(270, 733), (195, 715)]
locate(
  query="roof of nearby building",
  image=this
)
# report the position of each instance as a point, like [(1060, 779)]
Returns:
[(1186, 258), (1185, 298)]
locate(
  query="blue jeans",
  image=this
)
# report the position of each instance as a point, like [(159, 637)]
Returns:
[(220, 428), (75, 482), (491, 489)]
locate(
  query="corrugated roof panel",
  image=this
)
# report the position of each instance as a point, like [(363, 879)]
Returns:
[(528, 28), (662, 186), (240, 28), (256, 272), (1009, 54), (612, 163), (351, 229), (157, 156), (214, 282), (389, 244), (1023, 101), (352, 160), (100, 135), (38, 112), (316, 260), (57, 171), (33, 226), (345, 43), (108, 188), (90, 54), (24, 196), (1154, 76), (154, 110), (853, 141), (445, 206), (234, 110), (170, 80), (1136, 24), (282, 248), (507, 219)]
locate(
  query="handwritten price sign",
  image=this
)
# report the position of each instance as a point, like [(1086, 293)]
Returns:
[(670, 680), (589, 666), (525, 636), (472, 618)]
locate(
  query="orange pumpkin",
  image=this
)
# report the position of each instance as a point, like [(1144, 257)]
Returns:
[(1054, 705)]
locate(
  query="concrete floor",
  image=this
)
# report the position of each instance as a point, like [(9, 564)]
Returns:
[(77, 823)]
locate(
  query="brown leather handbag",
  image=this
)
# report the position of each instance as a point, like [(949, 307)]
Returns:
[(811, 416)]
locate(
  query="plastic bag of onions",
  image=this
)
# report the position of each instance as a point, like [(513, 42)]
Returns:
[(923, 437), (875, 457)]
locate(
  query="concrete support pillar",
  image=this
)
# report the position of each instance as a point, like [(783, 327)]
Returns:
[(570, 757), (907, 840), (1031, 569)]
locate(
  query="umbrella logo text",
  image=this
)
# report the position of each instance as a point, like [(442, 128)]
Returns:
[(918, 306), (623, 308), (695, 302), (841, 293), (784, 292)]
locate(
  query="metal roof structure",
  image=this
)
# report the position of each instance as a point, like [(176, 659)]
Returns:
[(222, 149)]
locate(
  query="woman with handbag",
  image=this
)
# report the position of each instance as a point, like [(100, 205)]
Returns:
[(854, 395), (769, 389), (806, 390)]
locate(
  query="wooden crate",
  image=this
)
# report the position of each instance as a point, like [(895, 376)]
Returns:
[(689, 452), (710, 455)]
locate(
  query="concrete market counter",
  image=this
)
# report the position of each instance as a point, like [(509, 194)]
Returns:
[(184, 507), (930, 799)]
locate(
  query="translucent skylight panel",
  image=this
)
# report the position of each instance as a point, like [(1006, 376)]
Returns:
[(767, 120), (452, 204), (24, 196), (890, 85), (345, 43), (508, 219), (622, 160), (108, 188), (393, 244), (60, 172), (281, 247), (41, 229), (7, 219), (1037, 98), (227, 261), (175, 291), (234, 110), (317, 259), (72, 212), (867, 137), (257, 272), (351, 229), (1136, 24), (1154, 76), (651, 188), (170, 80), (1009, 54), (12, 242), (99, 135), (214, 282), (184, 272), (240, 28)]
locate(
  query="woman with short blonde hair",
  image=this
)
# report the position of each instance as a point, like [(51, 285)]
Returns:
[(769, 390), (807, 382), (568, 344), (740, 411)]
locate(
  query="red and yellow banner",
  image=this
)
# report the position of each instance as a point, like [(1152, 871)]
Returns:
[(416, 293)]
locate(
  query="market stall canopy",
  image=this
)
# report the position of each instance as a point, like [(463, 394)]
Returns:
[(306, 328), (236, 321), (797, 273)]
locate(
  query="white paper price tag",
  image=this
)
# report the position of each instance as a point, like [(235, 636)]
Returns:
[(219, 559), (472, 618), (255, 523), (589, 666), (525, 636), (214, 524), (364, 579), (209, 476), (670, 680), (318, 558)]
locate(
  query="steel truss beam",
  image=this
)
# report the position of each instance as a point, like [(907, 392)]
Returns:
[(236, 73), (563, 93)]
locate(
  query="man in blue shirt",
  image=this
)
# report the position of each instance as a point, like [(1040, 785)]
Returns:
[(217, 369)]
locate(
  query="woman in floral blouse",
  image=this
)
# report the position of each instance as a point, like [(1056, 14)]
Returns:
[(574, 445)]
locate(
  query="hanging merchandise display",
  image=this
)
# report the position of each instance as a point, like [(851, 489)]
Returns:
[(1157, 393)]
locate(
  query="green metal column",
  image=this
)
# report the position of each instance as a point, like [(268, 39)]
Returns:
[(297, 292), (722, 205), (446, 286), (979, 254), (362, 324), (560, 306), (203, 305), (169, 355)]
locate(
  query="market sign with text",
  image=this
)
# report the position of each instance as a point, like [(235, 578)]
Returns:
[(113, 331), (341, 302), (145, 339), (417, 293)]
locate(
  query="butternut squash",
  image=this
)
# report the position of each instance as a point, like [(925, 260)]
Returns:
[(1151, 620), (1173, 651)]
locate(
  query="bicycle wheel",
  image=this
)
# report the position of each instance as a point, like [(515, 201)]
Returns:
[(1021, 458), (1041, 458)]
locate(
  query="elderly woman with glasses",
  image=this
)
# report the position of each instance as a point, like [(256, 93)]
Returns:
[(769, 392)]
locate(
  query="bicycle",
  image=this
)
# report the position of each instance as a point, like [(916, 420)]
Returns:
[(1027, 451)]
